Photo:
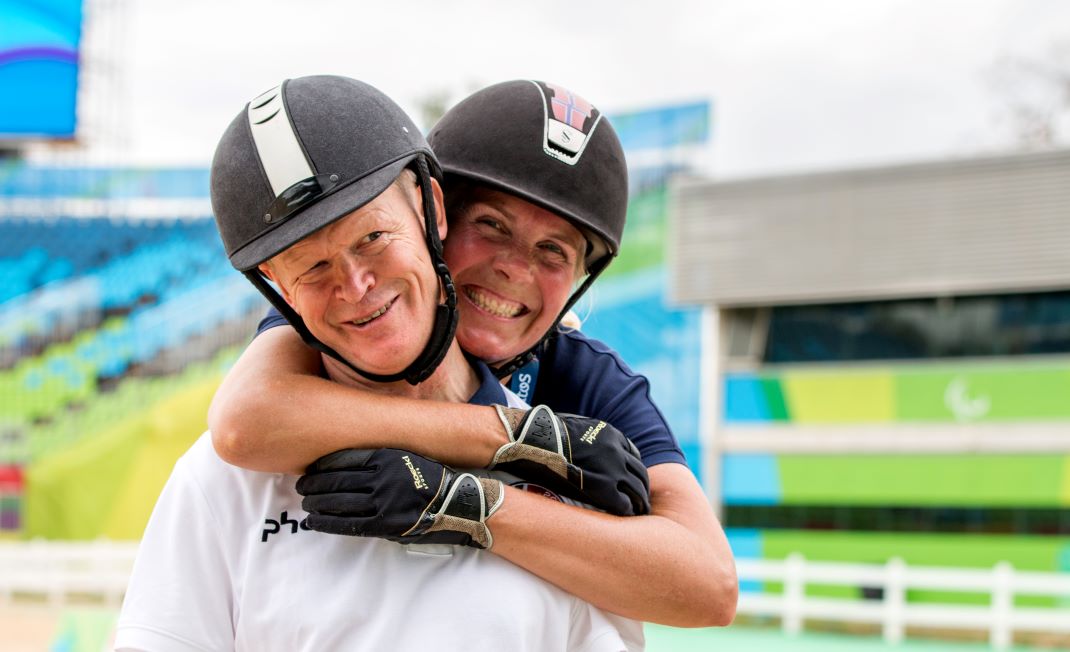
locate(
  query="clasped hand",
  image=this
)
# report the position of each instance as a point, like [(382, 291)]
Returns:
[(402, 496)]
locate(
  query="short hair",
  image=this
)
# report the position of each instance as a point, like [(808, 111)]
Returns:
[(407, 183)]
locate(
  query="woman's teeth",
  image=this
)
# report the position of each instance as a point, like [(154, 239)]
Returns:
[(494, 306)]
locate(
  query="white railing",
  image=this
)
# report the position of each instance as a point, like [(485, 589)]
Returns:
[(890, 608), (61, 572), (58, 572)]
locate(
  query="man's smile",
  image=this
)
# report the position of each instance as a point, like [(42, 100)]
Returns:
[(361, 321)]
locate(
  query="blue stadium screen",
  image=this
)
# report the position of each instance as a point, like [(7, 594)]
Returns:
[(39, 42)]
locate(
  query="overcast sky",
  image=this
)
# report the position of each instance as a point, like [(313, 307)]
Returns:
[(795, 84)]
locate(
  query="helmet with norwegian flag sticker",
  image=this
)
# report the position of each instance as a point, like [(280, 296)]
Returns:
[(546, 145)]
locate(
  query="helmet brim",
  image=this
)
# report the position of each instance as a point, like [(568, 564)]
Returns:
[(328, 210)]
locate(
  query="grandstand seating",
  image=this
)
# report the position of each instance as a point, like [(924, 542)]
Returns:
[(88, 309), (68, 371), (132, 396), (118, 314), (168, 258), (34, 253), (20, 180)]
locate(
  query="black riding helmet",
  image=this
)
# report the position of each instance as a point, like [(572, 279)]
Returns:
[(306, 154), (548, 146)]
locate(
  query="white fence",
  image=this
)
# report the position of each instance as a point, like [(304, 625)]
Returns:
[(61, 572), (890, 608)]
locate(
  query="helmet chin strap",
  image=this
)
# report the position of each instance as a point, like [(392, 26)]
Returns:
[(527, 356), (445, 325)]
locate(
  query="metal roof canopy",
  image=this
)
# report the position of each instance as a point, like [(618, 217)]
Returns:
[(978, 226)]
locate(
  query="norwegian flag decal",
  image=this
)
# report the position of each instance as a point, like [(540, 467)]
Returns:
[(570, 122)]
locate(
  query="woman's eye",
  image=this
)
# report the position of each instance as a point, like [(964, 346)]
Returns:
[(554, 249)]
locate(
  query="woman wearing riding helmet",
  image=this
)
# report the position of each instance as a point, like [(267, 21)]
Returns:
[(536, 192)]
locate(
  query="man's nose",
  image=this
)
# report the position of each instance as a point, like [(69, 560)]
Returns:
[(354, 281)]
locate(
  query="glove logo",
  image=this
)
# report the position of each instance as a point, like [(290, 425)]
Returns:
[(417, 476), (592, 433)]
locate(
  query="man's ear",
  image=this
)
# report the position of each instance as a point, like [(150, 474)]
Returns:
[(266, 270), (440, 208)]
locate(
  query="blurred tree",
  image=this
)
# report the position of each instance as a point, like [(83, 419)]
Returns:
[(1035, 93), (432, 105)]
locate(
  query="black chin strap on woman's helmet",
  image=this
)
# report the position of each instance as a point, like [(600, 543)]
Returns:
[(442, 331), (519, 361)]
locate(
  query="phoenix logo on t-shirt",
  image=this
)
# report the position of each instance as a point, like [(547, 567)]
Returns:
[(274, 527)]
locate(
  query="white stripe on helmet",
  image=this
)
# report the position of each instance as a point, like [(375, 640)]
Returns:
[(280, 152)]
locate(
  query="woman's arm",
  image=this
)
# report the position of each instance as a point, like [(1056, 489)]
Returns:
[(672, 567), (274, 412)]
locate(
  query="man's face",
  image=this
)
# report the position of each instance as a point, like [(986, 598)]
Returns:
[(514, 265), (364, 284)]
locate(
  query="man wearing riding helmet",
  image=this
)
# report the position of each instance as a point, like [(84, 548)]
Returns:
[(323, 186), (518, 158)]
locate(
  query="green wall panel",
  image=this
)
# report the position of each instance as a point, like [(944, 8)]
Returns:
[(970, 395), (925, 549), (821, 397), (644, 233), (919, 480), (968, 392), (1064, 494), (106, 484), (774, 399)]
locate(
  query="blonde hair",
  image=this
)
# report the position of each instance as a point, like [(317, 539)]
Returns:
[(571, 321)]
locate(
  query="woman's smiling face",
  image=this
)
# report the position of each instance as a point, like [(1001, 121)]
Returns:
[(514, 265)]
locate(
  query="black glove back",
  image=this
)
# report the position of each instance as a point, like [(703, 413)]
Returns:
[(585, 459), (398, 495)]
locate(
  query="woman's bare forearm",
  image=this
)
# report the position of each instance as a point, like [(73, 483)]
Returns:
[(672, 566), (274, 412)]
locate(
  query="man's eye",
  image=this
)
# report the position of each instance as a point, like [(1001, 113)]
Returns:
[(490, 223), (312, 269), (373, 236)]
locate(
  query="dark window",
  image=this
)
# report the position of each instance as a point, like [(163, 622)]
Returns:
[(1022, 324)]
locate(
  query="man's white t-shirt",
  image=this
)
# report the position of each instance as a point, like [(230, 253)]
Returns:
[(226, 565)]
